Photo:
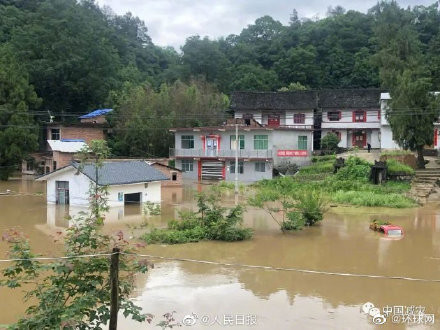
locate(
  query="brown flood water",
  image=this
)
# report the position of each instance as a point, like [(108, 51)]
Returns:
[(275, 299)]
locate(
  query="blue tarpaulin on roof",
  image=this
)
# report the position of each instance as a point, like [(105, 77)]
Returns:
[(96, 113), (72, 140)]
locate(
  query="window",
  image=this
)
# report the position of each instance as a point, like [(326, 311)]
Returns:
[(187, 165), (120, 196), (232, 167), (299, 118), (260, 167), (240, 138), (187, 141), (359, 116), (29, 166), (55, 134), (261, 142), (334, 115), (247, 118), (302, 142), (273, 120), (54, 165), (173, 176)]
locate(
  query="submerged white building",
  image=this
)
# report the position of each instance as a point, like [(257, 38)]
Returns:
[(127, 181)]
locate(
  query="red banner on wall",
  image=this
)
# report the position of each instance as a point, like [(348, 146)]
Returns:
[(292, 153)]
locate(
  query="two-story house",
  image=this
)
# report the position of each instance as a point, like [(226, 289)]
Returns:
[(209, 152), (354, 115), (387, 141), (63, 140)]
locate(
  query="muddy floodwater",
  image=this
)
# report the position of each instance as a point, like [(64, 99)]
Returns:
[(216, 295)]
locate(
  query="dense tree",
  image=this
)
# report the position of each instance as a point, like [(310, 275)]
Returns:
[(403, 71), (143, 116), (18, 134)]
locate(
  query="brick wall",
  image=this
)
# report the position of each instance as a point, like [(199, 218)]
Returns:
[(97, 120), (62, 159), (73, 132), (169, 172)]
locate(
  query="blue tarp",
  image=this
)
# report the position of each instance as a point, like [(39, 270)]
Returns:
[(96, 113), (72, 140)]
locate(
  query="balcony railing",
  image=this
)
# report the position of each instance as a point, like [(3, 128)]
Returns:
[(199, 153)]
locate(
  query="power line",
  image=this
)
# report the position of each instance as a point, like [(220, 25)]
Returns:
[(237, 265)]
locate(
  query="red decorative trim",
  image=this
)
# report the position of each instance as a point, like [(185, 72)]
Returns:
[(435, 137), (224, 171), (365, 115), (218, 142), (340, 114), (378, 114), (353, 116), (204, 142)]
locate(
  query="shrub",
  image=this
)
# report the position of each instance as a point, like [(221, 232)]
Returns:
[(330, 142), (295, 221), (312, 206), (396, 167), (211, 222), (355, 169)]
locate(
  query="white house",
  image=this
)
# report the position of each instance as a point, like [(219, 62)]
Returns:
[(387, 141), (354, 115), (127, 181)]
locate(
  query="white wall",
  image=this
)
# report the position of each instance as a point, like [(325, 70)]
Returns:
[(386, 138), (79, 187), (346, 120), (151, 194)]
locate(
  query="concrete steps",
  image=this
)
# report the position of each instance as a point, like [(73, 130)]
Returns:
[(424, 183)]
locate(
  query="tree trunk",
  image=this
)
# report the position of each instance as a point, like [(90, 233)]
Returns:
[(420, 159)]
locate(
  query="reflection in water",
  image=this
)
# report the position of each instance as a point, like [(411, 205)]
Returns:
[(279, 299)]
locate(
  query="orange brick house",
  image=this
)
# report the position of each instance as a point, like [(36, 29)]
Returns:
[(64, 140)]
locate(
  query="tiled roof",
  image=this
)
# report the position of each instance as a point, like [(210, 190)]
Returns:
[(303, 100), (124, 172), (274, 100)]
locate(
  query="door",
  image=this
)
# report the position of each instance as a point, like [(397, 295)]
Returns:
[(62, 192), (211, 146), (359, 139), (273, 120)]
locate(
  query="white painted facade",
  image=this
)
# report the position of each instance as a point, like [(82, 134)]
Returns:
[(346, 127), (79, 185), (286, 117)]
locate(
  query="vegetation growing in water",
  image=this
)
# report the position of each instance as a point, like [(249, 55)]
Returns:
[(289, 208), (74, 293), (210, 222)]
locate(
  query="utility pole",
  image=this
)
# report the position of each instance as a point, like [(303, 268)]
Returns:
[(237, 146), (114, 285)]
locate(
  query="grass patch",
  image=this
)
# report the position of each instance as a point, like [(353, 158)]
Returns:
[(371, 198), (325, 158), (396, 167), (396, 153), (349, 186)]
